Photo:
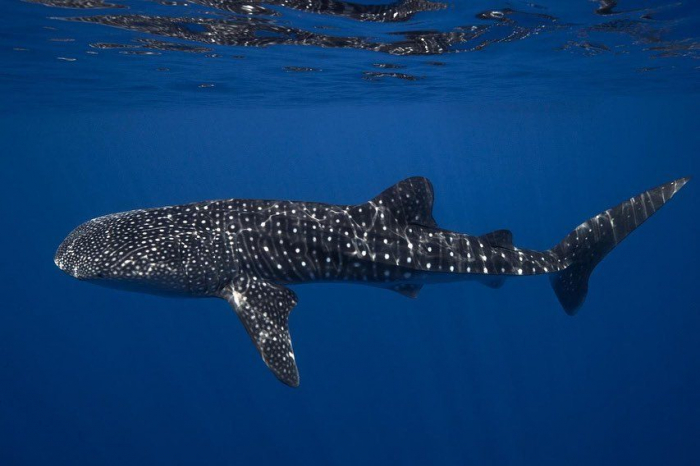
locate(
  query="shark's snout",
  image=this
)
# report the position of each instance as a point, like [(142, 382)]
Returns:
[(76, 254), (57, 260), (65, 259)]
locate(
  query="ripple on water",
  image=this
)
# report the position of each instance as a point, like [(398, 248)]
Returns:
[(517, 49)]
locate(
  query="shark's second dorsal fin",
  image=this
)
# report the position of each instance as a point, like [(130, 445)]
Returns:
[(499, 239), (410, 200)]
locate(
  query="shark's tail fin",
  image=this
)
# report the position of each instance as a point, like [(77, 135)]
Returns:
[(591, 241)]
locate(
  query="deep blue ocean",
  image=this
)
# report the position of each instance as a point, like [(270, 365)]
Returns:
[(527, 116)]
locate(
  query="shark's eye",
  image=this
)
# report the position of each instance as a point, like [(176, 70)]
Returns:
[(100, 275)]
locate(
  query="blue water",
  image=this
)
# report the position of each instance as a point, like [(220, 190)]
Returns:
[(548, 117)]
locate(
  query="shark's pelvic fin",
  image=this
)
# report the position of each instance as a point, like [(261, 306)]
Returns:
[(264, 309), (407, 289), (410, 201), (493, 281), (590, 242)]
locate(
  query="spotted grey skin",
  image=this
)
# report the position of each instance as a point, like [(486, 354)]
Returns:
[(248, 251)]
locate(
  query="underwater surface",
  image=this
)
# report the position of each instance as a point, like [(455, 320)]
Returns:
[(528, 116)]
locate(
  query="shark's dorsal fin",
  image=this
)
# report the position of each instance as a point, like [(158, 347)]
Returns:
[(410, 200), (264, 309), (499, 239), (407, 289)]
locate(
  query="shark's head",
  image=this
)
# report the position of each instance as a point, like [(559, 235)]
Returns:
[(84, 254), (123, 251)]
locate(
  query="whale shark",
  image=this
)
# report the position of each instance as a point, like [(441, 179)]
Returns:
[(250, 251)]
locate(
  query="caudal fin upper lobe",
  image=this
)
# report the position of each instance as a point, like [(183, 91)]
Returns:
[(591, 241)]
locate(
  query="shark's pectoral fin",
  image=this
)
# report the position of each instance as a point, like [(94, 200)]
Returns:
[(407, 289), (264, 309)]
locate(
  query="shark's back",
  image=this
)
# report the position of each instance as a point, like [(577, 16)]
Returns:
[(293, 242)]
